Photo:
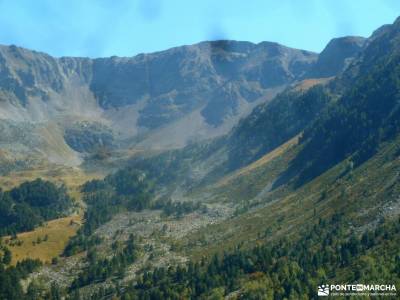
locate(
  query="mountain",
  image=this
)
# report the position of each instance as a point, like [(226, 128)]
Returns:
[(314, 192), (301, 191), (334, 119), (320, 147), (366, 115), (69, 108), (336, 56)]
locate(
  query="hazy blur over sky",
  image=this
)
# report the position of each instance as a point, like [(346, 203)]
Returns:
[(127, 27)]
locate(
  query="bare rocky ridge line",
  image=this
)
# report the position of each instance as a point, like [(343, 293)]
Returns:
[(161, 100)]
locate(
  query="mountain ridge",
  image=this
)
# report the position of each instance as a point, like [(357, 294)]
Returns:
[(162, 100)]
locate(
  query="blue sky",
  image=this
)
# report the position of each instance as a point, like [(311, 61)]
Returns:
[(121, 27)]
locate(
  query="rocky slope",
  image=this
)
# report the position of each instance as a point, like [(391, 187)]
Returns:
[(160, 100), (337, 55)]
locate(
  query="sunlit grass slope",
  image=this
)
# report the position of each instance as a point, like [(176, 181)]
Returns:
[(45, 242)]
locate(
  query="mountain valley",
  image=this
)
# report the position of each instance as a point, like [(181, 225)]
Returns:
[(220, 170)]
